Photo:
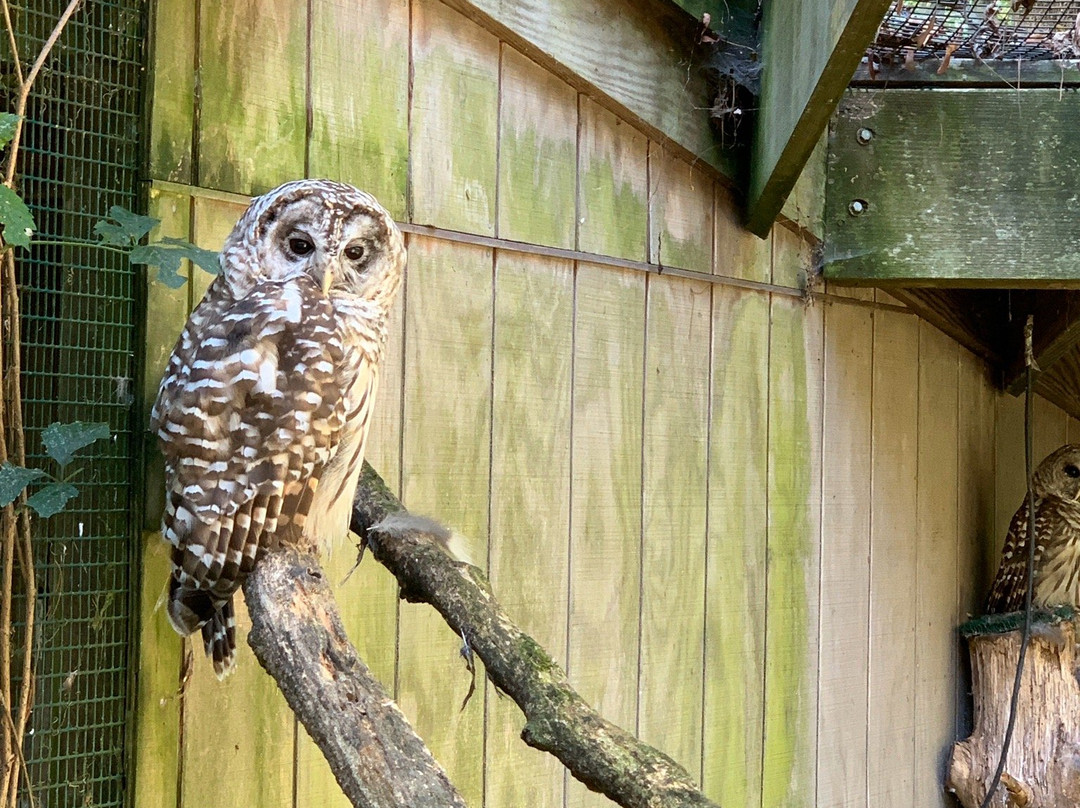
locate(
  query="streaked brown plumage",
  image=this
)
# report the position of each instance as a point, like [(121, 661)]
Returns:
[(263, 411), (1056, 578)]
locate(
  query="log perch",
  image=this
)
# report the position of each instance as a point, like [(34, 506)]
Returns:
[(1043, 765), (601, 755)]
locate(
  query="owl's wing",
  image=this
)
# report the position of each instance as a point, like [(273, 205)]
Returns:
[(247, 423), (1010, 585)]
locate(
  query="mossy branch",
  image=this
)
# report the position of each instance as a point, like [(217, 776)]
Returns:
[(601, 755)]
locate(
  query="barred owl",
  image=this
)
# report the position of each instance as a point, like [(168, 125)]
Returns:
[(1057, 540), (263, 411)]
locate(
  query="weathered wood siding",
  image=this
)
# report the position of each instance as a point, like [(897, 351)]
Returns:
[(747, 524)]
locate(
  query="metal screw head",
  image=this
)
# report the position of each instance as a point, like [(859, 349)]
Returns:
[(857, 207), (864, 135)]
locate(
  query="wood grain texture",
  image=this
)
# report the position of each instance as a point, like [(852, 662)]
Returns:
[(446, 454), (844, 653), (736, 563), (892, 716), (794, 523), (791, 257), (739, 253), (605, 497), (360, 97), (613, 203), (681, 213), (453, 155), (252, 56), (530, 510), (811, 51), (537, 154), (805, 205), (936, 588), (673, 537), (984, 187), (172, 87)]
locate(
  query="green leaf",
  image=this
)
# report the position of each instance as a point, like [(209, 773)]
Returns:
[(62, 441), (125, 229), (8, 121), (15, 218), (13, 479), (51, 499), (167, 254)]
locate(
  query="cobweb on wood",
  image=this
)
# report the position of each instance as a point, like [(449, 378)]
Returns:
[(1010, 30)]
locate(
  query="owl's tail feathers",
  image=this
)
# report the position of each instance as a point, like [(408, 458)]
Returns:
[(193, 609)]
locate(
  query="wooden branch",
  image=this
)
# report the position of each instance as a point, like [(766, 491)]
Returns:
[(298, 637), (601, 755)]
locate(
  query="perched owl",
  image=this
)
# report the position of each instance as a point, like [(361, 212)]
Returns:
[(1057, 540), (264, 408)]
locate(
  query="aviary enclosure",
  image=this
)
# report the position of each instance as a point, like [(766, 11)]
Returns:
[(707, 349)]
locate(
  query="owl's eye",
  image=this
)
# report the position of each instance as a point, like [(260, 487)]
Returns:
[(300, 246), (354, 252), (1072, 470)]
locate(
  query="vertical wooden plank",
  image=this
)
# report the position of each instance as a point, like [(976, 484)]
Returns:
[(936, 651), (360, 134), (613, 215), (1010, 487), (446, 465), (172, 91), (605, 556), (213, 220), (890, 764), (530, 507), (739, 253), (845, 565), (791, 259), (1072, 430), (734, 601), (681, 200), (238, 733), (673, 537), (368, 599), (806, 204), (537, 154), (455, 68), (791, 670), (1050, 428)]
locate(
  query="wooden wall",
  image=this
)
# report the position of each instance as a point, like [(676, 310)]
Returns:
[(747, 524)]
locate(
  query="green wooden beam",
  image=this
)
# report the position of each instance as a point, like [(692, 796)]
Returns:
[(954, 188), (810, 50)]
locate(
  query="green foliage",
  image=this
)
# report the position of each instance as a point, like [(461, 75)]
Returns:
[(8, 122), (62, 441), (167, 254), (15, 218), (51, 499), (13, 479), (125, 228)]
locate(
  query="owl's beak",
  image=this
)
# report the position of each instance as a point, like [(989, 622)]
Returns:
[(327, 279)]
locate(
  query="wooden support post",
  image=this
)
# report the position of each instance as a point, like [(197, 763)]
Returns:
[(1041, 768)]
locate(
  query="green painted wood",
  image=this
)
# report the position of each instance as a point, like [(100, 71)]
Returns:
[(791, 259), (794, 490), (681, 202), (936, 588), (156, 751), (446, 465), (455, 67), (844, 650), (166, 312), (172, 90), (957, 185), (805, 205), (644, 79), (735, 608), (530, 509), (605, 497), (890, 752), (537, 154), (675, 440), (810, 51), (360, 135), (252, 57), (739, 253), (613, 208)]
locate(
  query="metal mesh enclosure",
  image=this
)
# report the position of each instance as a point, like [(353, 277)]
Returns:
[(81, 155), (1000, 29)]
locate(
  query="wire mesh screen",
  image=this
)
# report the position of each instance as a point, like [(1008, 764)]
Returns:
[(80, 156), (975, 29)]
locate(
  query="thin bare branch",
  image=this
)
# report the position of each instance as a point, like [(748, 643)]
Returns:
[(10, 27)]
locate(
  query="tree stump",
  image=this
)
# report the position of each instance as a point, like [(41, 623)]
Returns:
[(1042, 769)]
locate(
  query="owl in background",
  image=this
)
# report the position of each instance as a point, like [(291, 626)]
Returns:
[(1056, 490), (263, 411)]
